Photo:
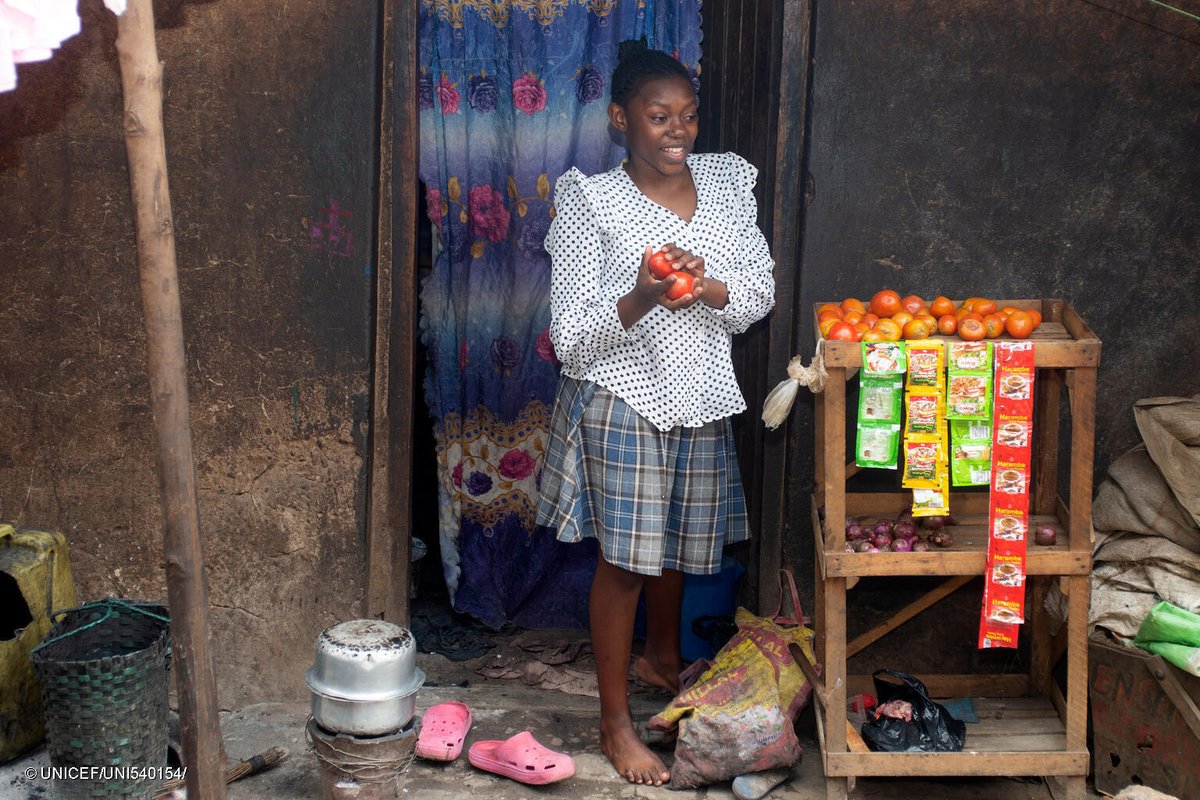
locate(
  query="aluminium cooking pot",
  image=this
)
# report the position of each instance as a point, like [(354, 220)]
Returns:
[(364, 680)]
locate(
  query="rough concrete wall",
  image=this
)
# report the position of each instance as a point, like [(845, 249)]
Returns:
[(270, 120), (1021, 149)]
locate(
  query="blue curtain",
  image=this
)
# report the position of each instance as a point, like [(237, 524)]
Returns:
[(512, 94)]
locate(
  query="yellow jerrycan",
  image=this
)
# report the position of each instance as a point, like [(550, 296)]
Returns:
[(35, 581)]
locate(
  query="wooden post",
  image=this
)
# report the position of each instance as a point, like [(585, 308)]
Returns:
[(187, 588)]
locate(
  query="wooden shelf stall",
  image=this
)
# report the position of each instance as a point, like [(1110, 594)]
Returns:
[(1027, 725)]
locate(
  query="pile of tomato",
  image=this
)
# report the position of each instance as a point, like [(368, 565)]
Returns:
[(888, 317)]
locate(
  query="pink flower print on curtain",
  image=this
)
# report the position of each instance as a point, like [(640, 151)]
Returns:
[(529, 94), (447, 93), (489, 216), (516, 464)]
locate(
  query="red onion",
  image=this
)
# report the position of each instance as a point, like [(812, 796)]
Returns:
[(902, 545), (863, 545), (939, 521), (881, 540), (885, 525), (920, 546), (905, 530), (874, 550), (1046, 535), (855, 532), (851, 521), (849, 548)]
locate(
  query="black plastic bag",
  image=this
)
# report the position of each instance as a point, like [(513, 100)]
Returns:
[(932, 728)]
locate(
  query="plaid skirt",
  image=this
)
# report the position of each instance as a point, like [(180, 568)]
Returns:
[(654, 499)]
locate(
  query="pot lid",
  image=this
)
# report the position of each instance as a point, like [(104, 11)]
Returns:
[(362, 636), (368, 694)]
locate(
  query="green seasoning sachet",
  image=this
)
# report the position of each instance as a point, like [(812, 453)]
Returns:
[(877, 445), (880, 403), (969, 380), (879, 400), (883, 358), (970, 452)]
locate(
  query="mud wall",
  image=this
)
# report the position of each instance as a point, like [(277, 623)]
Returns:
[(270, 114), (1023, 149)]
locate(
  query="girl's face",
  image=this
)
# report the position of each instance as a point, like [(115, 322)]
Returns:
[(660, 125)]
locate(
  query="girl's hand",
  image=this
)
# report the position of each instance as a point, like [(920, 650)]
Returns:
[(680, 260)]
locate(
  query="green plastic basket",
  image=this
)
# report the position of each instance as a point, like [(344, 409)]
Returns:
[(103, 668)]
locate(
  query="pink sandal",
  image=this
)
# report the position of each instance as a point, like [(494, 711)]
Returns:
[(523, 759), (443, 729)]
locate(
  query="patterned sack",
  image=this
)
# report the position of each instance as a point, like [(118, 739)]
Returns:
[(739, 716)]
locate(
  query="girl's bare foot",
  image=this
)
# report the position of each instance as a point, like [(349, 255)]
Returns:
[(664, 676), (629, 756)]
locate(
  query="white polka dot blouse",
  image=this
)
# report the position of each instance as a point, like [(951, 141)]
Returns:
[(673, 367)]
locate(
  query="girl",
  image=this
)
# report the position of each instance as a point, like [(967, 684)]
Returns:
[(641, 449)]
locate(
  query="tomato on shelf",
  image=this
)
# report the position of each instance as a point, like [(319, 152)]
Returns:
[(889, 329), (982, 306), (854, 304), (971, 328), (915, 329), (928, 321), (941, 306), (885, 303), (1019, 325), (842, 331), (912, 304), (993, 325)]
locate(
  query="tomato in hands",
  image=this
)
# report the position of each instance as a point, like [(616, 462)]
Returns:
[(660, 265), (682, 285)]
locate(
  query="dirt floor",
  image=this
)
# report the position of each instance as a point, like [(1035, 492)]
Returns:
[(502, 707)]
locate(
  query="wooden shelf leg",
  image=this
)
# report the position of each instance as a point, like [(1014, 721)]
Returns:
[(834, 443), (838, 788), (1076, 787)]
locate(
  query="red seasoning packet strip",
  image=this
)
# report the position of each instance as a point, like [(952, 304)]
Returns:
[(1008, 518)]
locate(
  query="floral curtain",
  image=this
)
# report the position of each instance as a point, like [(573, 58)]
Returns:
[(512, 94)]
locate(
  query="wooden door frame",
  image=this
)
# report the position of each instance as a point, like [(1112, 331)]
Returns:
[(388, 556), (787, 220), (389, 469)]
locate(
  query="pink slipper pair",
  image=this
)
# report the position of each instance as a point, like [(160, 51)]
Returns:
[(520, 757)]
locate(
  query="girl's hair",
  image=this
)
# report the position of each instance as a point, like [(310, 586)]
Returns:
[(636, 64)]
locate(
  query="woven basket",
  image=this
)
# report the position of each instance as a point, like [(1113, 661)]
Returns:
[(103, 668)]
